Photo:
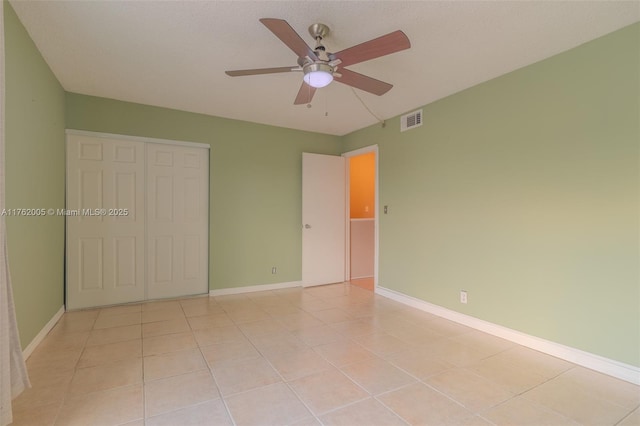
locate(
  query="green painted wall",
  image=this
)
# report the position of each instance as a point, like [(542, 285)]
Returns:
[(255, 182), (524, 191), (35, 169)]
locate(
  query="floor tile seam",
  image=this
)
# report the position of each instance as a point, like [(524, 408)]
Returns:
[(102, 314), (539, 406), (588, 395), (381, 354), (389, 408), (483, 409), (481, 416), (80, 353), (544, 378), (191, 405), (144, 390), (164, 319), (70, 397), (70, 394), (234, 394), (354, 382), (262, 354), (117, 341), (228, 363), (627, 416), (293, 392), (459, 403), (115, 326), (333, 410), (282, 378), (378, 398), (333, 363), (501, 386), (213, 375), (585, 391), (59, 411), (147, 338), (144, 397), (183, 311), (149, 381), (318, 415), (415, 376), (372, 394), (175, 351), (53, 337), (547, 408), (224, 402), (489, 356), (107, 362), (60, 403)]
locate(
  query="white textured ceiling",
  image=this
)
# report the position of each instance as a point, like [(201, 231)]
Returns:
[(174, 54)]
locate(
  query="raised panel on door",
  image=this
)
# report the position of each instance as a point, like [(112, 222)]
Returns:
[(177, 220), (105, 251)]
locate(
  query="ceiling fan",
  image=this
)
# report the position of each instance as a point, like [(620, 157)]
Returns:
[(320, 67)]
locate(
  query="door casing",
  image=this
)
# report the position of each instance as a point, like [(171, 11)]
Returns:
[(355, 153), (306, 281)]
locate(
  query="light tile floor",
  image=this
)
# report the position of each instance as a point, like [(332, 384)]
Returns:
[(331, 355)]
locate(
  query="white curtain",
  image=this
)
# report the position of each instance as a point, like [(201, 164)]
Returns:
[(13, 373)]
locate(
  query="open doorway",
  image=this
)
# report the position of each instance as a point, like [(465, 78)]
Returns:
[(362, 217)]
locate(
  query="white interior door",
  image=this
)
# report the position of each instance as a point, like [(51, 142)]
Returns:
[(105, 221), (323, 219), (177, 220)]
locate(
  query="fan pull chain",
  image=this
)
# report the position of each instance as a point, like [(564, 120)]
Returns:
[(326, 105), (380, 120)]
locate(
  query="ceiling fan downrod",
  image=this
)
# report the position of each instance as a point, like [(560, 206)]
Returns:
[(318, 32)]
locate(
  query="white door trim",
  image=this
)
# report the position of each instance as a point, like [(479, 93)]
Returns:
[(136, 138), (354, 153)]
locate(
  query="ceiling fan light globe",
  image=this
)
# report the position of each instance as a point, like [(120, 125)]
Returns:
[(318, 79), (318, 75)]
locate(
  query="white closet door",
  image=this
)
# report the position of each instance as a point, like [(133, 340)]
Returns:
[(105, 248), (177, 220)]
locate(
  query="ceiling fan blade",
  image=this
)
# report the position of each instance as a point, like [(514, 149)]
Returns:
[(305, 94), (238, 73), (362, 82), (381, 46), (289, 36)]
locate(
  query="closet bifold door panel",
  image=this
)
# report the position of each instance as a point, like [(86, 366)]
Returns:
[(177, 221), (105, 221), (137, 219)]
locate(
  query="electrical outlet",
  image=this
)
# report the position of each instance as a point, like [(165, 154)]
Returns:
[(274, 270), (463, 296)]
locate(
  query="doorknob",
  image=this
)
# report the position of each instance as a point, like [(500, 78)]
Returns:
[(307, 226)]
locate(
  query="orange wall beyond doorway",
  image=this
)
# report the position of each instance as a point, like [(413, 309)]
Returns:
[(362, 172)]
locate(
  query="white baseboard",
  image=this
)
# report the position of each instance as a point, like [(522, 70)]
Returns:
[(43, 333), (595, 362), (252, 288)]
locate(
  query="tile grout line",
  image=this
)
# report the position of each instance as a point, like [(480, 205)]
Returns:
[(213, 377)]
